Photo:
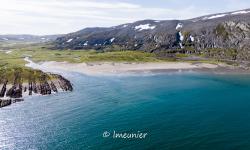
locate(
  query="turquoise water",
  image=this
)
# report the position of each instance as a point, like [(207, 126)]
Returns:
[(177, 111)]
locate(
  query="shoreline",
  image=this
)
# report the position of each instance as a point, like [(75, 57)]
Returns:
[(124, 68), (15, 89)]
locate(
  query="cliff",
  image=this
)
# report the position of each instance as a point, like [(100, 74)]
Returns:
[(15, 83)]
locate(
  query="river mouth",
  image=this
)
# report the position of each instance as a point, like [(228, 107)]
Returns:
[(184, 110)]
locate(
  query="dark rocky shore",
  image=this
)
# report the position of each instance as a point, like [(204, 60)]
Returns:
[(12, 92)]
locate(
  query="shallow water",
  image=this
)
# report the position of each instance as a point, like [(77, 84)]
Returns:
[(177, 111)]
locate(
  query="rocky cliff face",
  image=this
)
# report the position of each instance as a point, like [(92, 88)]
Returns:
[(223, 36), (20, 83)]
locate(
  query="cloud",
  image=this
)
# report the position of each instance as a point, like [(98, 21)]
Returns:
[(61, 16)]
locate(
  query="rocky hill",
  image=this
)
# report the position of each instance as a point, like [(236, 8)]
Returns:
[(223, 36)]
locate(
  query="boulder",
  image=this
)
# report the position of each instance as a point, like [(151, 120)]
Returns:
[(4, 103)]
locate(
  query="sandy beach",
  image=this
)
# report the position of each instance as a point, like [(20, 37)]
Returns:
[(111, 68)]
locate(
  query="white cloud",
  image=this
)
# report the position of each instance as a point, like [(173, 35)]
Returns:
[(59, 16)]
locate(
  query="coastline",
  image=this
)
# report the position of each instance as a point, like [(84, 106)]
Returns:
[(103, 69), (27, 83), (120, 68)]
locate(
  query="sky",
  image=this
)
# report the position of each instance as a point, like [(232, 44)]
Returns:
[(43, 17)]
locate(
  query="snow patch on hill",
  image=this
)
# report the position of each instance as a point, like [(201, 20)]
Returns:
[(191, 38), (144, 27), (111, 40), (181, 36), (86, 43), (69, 40), (179, 26), (217, 16), (240, 12)]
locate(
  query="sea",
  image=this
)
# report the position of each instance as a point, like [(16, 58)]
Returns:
[(162, 111)]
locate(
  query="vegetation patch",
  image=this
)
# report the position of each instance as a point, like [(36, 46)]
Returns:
[(220, 30)]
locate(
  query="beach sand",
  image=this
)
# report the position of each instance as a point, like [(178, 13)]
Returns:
[(111, 68)]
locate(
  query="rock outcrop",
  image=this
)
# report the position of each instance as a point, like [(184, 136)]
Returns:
[(19, 83), (64, 83), (45, 87), (3, 90), (4, 103), (15, 91), (7, 102)]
